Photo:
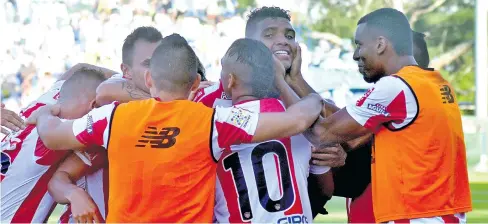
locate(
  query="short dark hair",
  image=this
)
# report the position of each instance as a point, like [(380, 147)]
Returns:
[(146, 33), (200, 69), (258, 60), (83, 81), (173, 64), (262, 13), (395, 26), (421, 55)]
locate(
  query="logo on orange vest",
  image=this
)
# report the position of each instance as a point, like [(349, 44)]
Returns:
[(379, 108), (165, 138), (446, 94)]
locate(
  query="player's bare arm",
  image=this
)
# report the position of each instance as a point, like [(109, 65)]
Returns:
[(107, 72), (338, 128), (121, 90), (296, 119), (54, 133)]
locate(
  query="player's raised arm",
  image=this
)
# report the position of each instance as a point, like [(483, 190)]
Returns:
[(91, 129), (296, 119)]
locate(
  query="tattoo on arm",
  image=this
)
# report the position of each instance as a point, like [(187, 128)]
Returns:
[(133, 92)]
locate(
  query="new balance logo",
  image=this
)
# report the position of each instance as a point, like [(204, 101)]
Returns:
[(165, 138), (446, 94)]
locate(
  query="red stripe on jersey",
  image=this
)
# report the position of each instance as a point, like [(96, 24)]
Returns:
[(450, 219), (96, 137), (208, 99), (296, 208), (402, 221), (278, 173), (18, 146), (47, 157), (397, 110), (230, 193), (28, 208), (231, 135), (29, 111), (65, 216)]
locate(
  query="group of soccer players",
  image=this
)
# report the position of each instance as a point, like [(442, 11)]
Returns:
[(158, 144)]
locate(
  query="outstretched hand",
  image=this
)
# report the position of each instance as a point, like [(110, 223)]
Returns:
[(43, 111), (11, 121)]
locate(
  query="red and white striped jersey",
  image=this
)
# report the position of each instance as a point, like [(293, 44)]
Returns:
[(264, 182), (27, 167)]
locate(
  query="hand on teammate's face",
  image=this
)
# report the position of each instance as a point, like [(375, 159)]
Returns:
[(11, 121), (83, 208), (333, 156), (296, 64), (43, 111), (203, 84)]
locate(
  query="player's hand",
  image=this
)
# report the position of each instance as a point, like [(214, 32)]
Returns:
[(83, 209), (333, 156), (203, 85), (11, 121), (296, 65), (43, 111)]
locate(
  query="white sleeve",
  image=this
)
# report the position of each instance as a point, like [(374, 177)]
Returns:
[(389, 102), (94, 128), (232, 126)]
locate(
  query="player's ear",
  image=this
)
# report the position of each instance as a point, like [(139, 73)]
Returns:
[(232, 81), (93, 104), (196, 83), (126, 72), (148, 79), (381, 43)]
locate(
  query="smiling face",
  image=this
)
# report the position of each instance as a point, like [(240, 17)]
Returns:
[(279, 36), (367, 54)]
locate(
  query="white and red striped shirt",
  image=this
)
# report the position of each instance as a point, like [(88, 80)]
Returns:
[(27, 167), (264, 182)]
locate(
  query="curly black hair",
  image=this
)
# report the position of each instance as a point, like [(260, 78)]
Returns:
[(262, 13)]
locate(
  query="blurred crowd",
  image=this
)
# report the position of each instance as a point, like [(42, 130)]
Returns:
[(43, 38)]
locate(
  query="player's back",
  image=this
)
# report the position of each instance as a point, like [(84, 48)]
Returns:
[(263, 182), (160, 165)]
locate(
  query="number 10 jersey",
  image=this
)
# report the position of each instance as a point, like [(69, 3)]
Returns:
[(264, 182)]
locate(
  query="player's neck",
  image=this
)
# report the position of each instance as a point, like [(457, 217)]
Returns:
[(395, 64), (243, 98), (165, 96)]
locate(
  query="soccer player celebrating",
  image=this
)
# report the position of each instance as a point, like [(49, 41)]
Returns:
[(158, 184), (423, 179), (27, 164), (360, 208), (271, 26), (91, 200)]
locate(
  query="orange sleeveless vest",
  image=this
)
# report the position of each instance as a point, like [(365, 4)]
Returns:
[(420, 170), (160, 163)]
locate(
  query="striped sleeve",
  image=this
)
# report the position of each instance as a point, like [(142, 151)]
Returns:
[(93, 128)]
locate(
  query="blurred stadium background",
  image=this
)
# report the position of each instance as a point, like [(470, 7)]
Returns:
[(40, 39)]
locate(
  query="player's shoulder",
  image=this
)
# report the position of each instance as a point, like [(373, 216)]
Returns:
[(390, 84)]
